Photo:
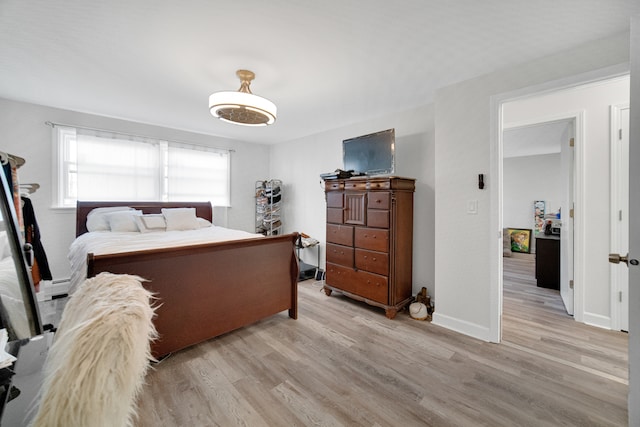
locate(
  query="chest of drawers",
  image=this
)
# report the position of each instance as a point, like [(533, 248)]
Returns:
[(370, 240)]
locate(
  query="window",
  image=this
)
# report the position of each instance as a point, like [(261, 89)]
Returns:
[(96, 165)]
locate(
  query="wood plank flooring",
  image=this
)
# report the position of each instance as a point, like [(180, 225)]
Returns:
[(343, 363), (535, 318)]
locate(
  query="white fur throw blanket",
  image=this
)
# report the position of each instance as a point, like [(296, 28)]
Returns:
[(100, 355)]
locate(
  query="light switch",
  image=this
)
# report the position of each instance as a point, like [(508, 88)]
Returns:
[(472, 207)]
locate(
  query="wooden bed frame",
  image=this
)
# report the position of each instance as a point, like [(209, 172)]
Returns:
[(205, 290)]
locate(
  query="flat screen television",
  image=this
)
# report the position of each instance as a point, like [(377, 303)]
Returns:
[(372, 154)]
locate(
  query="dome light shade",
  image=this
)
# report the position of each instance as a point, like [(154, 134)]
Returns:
[(243, 107)]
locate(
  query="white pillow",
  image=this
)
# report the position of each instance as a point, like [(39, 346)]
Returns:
[(97, 220), (180, 218), (203, 223), (123, 220), (150, 222)]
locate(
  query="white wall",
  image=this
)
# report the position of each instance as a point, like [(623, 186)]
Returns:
[(466, 275), (527, 179), (595, 101), (25, 134), (300, 162)]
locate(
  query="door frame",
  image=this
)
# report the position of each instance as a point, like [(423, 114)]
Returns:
[(616, 229), (634, 225), (496, 191), (571, 186)]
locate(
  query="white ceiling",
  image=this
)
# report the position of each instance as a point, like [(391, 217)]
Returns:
[(537, 139), (325, 63)]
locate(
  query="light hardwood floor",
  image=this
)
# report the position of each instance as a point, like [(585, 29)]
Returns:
[(535, 319), (343, 363)]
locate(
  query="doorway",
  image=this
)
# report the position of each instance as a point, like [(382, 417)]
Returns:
[(589, 195), (538, 193), (544, 315)]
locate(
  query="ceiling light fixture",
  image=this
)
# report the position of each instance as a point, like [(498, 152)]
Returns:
[(242, 107)]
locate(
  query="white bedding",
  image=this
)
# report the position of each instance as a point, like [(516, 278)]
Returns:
[(12, 299), (106, 242)]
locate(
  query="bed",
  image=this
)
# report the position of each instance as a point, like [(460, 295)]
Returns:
[(204, 290)]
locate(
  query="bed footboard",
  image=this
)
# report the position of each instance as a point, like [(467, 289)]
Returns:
[(207, 290)]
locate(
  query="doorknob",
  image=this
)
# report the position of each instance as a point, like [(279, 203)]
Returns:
[(617, 259)]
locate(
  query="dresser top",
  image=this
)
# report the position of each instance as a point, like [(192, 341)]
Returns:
[(370, 183), (382, 177)]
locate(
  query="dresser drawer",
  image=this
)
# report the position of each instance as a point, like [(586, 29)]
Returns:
[(379, 200), (337, 254), (381, 184), (367, 285), (340, 234), (377, 218), (371, 238), (334, 199), (341, 277), (375, 262), (335, 215), (355, 185), (373, 287), (332, 185)]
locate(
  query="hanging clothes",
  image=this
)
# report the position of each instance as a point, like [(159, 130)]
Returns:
[(40, 266)]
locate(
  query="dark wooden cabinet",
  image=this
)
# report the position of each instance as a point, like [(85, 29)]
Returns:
[(548, 261), (370, 240)]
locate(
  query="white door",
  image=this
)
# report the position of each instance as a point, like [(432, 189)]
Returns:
[(567, 159), (634, 228), (620, 215)]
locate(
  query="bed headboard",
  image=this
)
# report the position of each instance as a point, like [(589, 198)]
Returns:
[(203, 210)]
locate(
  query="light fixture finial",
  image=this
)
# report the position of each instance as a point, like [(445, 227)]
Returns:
[(245, 77)]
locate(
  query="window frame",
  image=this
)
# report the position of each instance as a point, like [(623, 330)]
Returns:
[(64, 165)]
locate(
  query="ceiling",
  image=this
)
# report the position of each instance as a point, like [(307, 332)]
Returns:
[(325, 64), (534, 140)]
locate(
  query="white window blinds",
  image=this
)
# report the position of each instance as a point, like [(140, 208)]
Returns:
[(97, 165), (190, 168)]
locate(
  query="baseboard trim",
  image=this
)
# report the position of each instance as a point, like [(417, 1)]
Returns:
[(597, 320), (57, 287), (462, 326)]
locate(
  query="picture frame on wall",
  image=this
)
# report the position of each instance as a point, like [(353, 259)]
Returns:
[(520, 240)]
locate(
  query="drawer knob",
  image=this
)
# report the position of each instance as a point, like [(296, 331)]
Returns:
[(373, 258), (365, 257)]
